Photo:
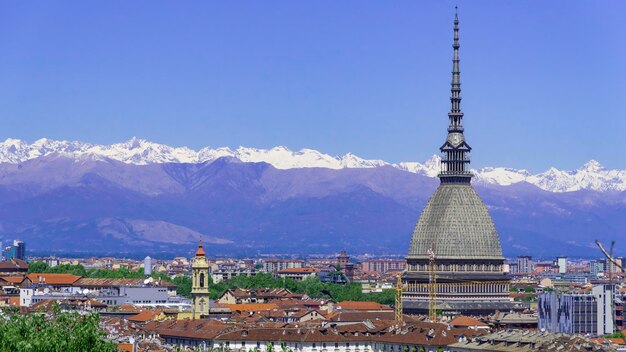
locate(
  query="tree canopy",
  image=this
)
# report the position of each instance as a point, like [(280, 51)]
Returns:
[(312, 286), (60, 331)]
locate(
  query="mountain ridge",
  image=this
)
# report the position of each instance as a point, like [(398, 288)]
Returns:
[(60, 203), (591, 175)]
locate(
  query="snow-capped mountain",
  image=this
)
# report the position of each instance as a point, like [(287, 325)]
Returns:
[(591, 176)]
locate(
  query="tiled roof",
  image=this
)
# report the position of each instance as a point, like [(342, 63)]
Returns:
[(54, 279), (358, 305), (357, 316), (145, 316), (467, 322), (456, 222), (14, 264), (199, 328), (13, 279), (430, 334), (251, 307), (125, 347)]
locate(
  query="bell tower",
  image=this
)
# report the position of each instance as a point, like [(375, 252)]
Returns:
[(200, 284)]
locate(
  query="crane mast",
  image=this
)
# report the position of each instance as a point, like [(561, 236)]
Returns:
[(398, 311), (432, 284)]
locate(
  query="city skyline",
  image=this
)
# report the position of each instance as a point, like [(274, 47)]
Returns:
[(321, 77)]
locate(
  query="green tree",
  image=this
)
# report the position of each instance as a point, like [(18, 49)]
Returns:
[(63, 331), (183, 286), (37, 267)]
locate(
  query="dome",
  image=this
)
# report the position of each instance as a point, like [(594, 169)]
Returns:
[(456, 221)]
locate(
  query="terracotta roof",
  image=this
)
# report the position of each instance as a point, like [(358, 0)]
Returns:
[(431, 334), (198, 328), (14, 279), (467, 322), (129, 308), (616, 341), (251, 307), (14, 264), (54, 279), (125, 347), (145, 316), (358, 305), (359, 316), (200, 251)]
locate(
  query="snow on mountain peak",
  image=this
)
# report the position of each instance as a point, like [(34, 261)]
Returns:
[(592, 166), (592, 175)]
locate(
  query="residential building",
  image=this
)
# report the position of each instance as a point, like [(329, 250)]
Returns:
[(597, 267), (243, 296), (561, 262), (524, 264), (612, 268), (273, 265), (383, 265), (297, 274)]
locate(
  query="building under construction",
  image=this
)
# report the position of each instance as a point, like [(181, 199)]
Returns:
[(455, 262)]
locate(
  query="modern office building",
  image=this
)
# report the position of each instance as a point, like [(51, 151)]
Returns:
[(579, 313)]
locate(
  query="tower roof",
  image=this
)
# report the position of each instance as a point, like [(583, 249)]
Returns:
[(457, 224), (200, 251)]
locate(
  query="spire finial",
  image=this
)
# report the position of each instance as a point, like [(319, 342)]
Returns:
[(455, 150)]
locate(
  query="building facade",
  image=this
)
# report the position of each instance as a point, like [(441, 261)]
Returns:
[(455, 260), (524, 265), (274, 265), (579, 313), (384, 265), (561, 263)]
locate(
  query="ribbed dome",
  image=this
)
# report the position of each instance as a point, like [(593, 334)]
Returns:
[(456, 221)]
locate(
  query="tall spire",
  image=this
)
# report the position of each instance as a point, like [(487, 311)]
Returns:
[(455, 158), (455, 113)]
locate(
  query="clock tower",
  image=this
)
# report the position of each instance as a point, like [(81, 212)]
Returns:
[(200, 284)]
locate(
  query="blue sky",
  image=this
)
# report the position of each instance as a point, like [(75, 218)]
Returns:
[(544, 83)]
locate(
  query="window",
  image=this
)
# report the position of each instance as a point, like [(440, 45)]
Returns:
[(201, 279)]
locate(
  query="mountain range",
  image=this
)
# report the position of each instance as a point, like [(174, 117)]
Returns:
[(137, 197), (591, 176)]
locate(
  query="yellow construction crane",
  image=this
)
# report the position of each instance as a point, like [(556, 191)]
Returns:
[(432, 284), (399, 315)]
